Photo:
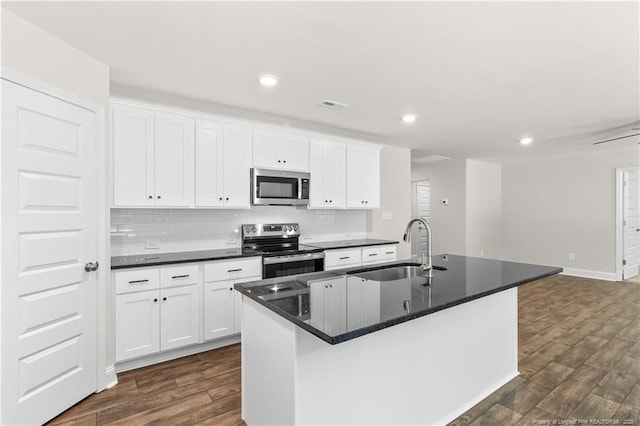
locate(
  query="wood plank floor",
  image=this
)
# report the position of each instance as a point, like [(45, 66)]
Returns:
[(579, 361)]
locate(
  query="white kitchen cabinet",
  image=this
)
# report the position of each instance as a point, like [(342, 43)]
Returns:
[(277, 150), (363, 177), (153, 158), (327, 300), (378, 254), (327, 165), (156, 309), (222, 165), (221, 301), (342, 258)]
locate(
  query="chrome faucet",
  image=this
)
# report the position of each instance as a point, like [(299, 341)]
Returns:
[(426, 259)]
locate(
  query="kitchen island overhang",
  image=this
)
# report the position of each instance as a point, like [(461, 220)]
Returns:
[(430, 366)]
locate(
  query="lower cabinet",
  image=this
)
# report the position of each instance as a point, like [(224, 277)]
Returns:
[(348, 258), (327, 300), (157, 320)]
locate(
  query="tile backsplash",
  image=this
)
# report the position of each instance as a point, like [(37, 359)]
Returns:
[(137, 231)]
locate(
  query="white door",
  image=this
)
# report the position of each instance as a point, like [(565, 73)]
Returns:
[(335, 174), (137, 324), (174, 161), (423, 210), (294, 152), (49, 234), (179, 316), (237, 166), (133, 150), (219, 309), (209, 164), (266, 149), (630, 224)]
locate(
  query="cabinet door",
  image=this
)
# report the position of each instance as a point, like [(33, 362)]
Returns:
[(363, 177), (179, 316), (371, 177), (209, 160), (294, 151), (327, 167), (137, 324), (133, 140), (328, 305), (266, 149), (236, 166), (174, 161), (363, 302), (219, 309)]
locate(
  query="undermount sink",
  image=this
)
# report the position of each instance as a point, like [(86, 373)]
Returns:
[(393, 272)]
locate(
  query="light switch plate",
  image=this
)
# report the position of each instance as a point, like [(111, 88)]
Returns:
[(387, 215)]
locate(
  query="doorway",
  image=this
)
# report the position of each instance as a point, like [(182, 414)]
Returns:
[(421, 207), (627, 224)]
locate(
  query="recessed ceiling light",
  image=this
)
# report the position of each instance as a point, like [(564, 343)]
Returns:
[(526, 141), (268, 80), (409, 118)]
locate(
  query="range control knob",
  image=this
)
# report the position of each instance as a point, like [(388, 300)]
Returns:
[(247, 229), (295, 228), (253, 229), (286, 228)]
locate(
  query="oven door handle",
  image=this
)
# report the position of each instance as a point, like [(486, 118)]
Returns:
[(292, 258)]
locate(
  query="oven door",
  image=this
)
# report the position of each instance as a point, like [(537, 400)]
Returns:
[(295, 264)]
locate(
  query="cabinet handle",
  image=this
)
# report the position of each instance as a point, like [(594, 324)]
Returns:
[(220, 199), (279, 161), (150, 197), (388, 252), (155, 300), (284, 161), (180, 276), (158, 197), (366, 202), (373, 254), (231, 289), (326, 201), (164, 298), (227, 199), (138, 281), (344, 257), (331, 201), (234, 270)]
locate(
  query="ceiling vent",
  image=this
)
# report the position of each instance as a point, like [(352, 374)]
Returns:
[(333, 105), (430, 159)]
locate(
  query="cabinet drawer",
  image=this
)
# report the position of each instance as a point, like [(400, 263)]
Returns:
[(137, 279), (336, 259), (378, 254), (173, 276), (233, 270)]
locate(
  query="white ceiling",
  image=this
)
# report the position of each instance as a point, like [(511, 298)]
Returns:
[(480, 75)]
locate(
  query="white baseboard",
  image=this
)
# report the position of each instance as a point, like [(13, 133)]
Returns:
[(110, 377), (585, 273), (144, 361)]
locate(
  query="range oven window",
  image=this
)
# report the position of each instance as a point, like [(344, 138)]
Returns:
[(277, 187), (274, 270)]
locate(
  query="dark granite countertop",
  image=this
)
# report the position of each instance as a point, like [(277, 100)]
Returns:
[(329, 245), (136, 260), (300, 298)]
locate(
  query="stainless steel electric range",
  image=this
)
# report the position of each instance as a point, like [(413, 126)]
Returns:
[(282, 254)]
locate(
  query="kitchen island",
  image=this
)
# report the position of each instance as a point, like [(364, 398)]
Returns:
[(385, 345)]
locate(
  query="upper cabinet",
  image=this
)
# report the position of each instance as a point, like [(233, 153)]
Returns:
[(153, 158), (223, 163), (276, 150), (327, 165), (363, 177)]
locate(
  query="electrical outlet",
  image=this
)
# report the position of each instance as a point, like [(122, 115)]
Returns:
[(152, 244), (572, 256), (386, 215), (481, 253), (231, 239)]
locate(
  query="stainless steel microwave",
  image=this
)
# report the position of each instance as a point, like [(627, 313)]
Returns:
[(279, 187)]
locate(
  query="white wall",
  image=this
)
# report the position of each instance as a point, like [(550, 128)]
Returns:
[(484, 209), (395, 199), (448, 223), (203, 229), (35, 54), (555, 207)]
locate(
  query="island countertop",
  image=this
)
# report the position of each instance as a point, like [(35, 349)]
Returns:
[(338, 306)]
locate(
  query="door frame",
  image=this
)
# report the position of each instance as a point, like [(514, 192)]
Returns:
[(619, 213), (105, 374)]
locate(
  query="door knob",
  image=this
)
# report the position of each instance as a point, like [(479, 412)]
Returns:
[(91, 266)]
